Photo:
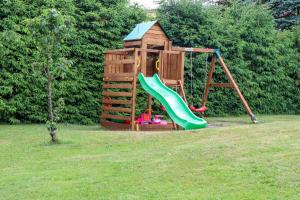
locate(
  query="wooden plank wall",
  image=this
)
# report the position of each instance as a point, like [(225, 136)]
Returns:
[(172, 65), (119, 87), (118, 62), (156, 33)]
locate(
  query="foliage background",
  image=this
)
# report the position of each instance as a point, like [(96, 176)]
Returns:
[(100, 25), (263, 60)]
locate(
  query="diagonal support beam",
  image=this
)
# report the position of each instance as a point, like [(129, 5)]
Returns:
[(235, 86), (209, 79)]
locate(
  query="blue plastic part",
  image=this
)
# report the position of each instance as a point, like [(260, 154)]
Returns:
[(218, 53), (139, 31)]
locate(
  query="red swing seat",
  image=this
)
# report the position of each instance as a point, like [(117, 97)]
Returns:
[(199, 110)]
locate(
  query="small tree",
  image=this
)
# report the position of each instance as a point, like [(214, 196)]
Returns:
[(49, 31)]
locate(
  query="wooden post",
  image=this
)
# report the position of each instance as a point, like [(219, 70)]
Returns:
[(209, 79), (144, 57), (236, 88), (182, 57), (150, 105), (174, 125), (160, 73), (133, 98), (181, 91)]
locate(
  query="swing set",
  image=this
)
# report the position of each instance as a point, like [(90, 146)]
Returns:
[(209, 81), (148, 50)]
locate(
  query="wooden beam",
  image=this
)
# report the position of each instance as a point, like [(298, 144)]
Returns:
[(156, 32), (182, 91), (116, 109), (209, 79), (108, 116), (170, 82), (112, 75), (116, 94), (119, 50), (118, 62), (155, 36), (136, 58), (116, 102), (171, 52), (196, 50), (144, 57), (236, 88), (221, 85), (182, 67), (161, 67), (160, 42), (149, 50), (117, 79), (118, 86), (132, 43), (150, 105), (115, 126)]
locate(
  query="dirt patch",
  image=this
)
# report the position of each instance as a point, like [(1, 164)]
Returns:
[(4, 142), (217, 125)]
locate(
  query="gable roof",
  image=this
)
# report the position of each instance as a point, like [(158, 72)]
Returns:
[(140, 29)]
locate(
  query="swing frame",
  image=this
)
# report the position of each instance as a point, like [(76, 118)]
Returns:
[(216, 56)]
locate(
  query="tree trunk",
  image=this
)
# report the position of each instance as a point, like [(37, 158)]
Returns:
[(50, 106)]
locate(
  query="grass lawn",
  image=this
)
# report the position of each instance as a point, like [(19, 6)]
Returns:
[(237, 161)]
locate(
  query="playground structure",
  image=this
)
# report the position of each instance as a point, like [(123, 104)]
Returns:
[(150, 57)]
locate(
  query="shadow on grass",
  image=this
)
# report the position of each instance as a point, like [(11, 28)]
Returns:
[(89, 128), (230, 123), (49, 143)]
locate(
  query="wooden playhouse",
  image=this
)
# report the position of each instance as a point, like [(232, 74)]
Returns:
[(149, 50)]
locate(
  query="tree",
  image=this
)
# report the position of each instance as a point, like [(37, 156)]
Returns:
[(285, 12), (49, 30), (100, 25)]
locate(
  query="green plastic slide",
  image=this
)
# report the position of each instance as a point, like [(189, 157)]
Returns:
[(173, 103)]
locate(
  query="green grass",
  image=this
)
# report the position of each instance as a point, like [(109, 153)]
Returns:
[(237, 161)]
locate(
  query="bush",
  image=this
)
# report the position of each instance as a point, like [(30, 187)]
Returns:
[(100, 25)]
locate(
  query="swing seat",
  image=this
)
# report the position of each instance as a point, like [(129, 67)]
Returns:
[(199, 110)]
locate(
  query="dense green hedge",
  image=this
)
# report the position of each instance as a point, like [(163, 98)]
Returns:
[(264, 61), (100, 25)]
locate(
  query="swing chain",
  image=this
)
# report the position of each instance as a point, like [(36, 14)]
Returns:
[(205, 74), (191, 72)]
